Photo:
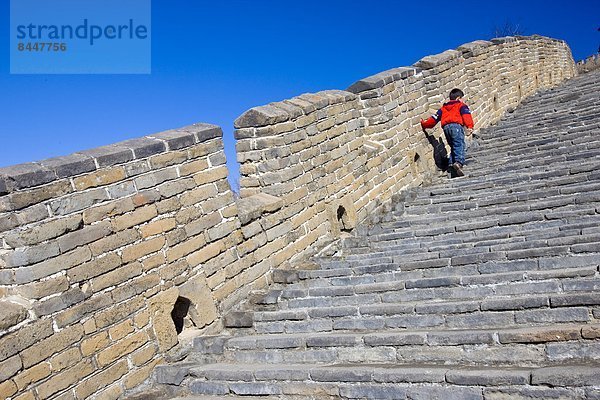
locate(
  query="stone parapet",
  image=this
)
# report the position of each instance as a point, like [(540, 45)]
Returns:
[(108, 255)]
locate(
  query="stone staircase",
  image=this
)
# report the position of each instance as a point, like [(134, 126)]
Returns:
[(482, 287)]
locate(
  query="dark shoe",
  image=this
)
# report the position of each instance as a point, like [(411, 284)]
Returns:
[(458, 169)]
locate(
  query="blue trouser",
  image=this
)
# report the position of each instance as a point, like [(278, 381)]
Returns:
[(455, 135)]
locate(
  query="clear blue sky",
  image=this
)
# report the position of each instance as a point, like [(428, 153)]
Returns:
[(211, 61)]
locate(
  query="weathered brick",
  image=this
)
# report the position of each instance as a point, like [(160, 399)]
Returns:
[(118, 312), (77, 312), (94, 268), (114, 241), (52, 345), (54, 190), (7, 389), (487, 377), (95, 343), (136, 217), (202, 223), (158, 227), (43, 288), (143, 355), (111, 209), (559, 376), (65, 359), (44, 231), (52, 266), (9, 367), (155, 178), (122, 189), (15, 342), (100, 178), (136, 378), (65, 379), (210, 176), (193, 167), (117, 276), (32, 375), (185, 248), (31, 255), (66, 299), (143, 249), (87, 234), (198, 194), (78, 201), (121, 330), (101, 380), (539, 335), (206, 253), (122, 348), (11, 314)]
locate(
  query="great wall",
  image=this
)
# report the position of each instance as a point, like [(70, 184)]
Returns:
[(134, 264)]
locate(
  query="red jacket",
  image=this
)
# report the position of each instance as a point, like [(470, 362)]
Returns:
[(454, 111)]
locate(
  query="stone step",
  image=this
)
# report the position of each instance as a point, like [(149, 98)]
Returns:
[(399, 381)]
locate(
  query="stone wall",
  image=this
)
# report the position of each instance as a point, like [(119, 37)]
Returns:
[(109, 256), (348, 152)]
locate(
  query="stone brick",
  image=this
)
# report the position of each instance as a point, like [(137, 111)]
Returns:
[(189, 246), (79, 311), (30, 255), (25, 396), (114, 241), (117, 276), (111, 209), (87, 234), (122, 348), (573, 376), (136, 217), (78, 201), (155, 178), (158, 227), (11, 314), (372, 392), (44, 231), (94, 268), (202, 223), (118, 312), (65, 359), (591, 332), (7, 389), (101, 380), (211, 175), (143, 355), (206, 253), (193, 167), (43, 288), (487, 377), (168, 159), (32, 375), (66, 299), (52, 345), (9, 367), (65, 379), (20, 200), (539, 335), (161, 306), (136, 378), (100, 178), (95, 343), (199, 194), (143, 249), (15, 342), (121, 330), (52, 266), (203, 309)]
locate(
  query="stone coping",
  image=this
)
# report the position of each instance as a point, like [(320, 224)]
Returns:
[(23, 176)]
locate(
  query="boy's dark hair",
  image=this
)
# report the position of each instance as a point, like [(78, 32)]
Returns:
[(455, 94)]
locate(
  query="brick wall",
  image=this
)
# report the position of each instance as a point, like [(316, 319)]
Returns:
[(98, 248)]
